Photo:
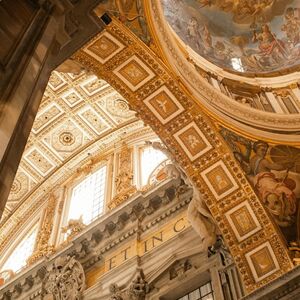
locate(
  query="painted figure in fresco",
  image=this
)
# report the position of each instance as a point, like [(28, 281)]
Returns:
[(124, 6), (200, 36), (243, 11), (130, 13), (221, 52), (270, 47), (264, 34), (274, 174), (193, 32), (277, 194), (207, 40), (292, 25)]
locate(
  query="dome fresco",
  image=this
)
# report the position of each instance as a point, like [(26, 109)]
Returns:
[(245, 36)]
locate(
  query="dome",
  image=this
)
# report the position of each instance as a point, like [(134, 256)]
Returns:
[(247, 37)]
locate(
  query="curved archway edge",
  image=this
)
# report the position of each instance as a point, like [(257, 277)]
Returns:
[(161, 101)]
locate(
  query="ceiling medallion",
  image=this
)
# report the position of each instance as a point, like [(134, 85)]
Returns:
[(16, 187), (121, 105), (67, 138)]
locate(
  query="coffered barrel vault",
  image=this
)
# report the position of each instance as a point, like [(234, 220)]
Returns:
[(163, 102)]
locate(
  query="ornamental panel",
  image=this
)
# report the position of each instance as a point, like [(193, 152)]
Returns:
[(243, 221), (219, 180), (164, 105), (93, 85), (134, 73), (193, 141), (262, 261), (93, 119), (104, 47), (72, 97), (56, 81), (39, 161), (46, 116)]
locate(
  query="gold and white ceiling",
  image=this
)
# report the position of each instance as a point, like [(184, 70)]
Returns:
[(78, 117)]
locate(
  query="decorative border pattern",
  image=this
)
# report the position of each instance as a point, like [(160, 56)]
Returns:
[(200, 168)]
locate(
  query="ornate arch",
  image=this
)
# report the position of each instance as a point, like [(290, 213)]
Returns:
[(162, 101)]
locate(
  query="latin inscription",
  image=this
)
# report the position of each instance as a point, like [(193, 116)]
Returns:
[(147, 243)]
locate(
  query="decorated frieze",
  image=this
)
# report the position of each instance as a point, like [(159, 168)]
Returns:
[(108, 243)]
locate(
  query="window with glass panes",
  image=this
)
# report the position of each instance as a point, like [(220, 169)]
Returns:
[(204, 292), (17, 260), (87, 200), (150, 159)]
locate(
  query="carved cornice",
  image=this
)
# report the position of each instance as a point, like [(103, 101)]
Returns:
[(106, 234)]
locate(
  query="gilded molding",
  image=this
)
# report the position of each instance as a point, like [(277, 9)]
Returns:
[(123, 181), (43, 248)]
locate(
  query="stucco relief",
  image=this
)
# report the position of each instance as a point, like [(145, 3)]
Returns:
[(198, 214), (76, 110), (65, 280), (137, 290)]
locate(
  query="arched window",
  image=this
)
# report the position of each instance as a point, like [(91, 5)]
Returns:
[(150, 159), (87, 200), (17, 259)]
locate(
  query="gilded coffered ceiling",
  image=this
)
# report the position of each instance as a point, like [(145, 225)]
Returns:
[(78, 116)]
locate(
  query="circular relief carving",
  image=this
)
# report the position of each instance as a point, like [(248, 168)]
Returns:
[(16, 187), (121, 105), (67, 138), (119, 108)]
